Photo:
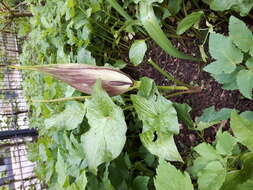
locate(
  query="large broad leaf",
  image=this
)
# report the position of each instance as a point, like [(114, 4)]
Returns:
[(156, 113), (209, 167), (245, 82), (169, 178), (225, 143), (107, 134), (212, 176), (188, 22), (240, 35), (69, 119), (228, 79), (241, 6), (137, 51), (226, 54), (159, 120), (243, 129)]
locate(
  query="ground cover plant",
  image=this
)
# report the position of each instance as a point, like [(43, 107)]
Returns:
[(173, 126)]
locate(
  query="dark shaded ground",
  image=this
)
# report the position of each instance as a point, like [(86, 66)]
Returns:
[(192, 73)]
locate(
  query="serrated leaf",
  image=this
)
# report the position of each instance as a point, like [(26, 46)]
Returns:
[(188, 22), (69, 119), (211, 117), (207, 151), (212, 176), (137, 51), (228, 79), (226, 54), (225, 143), (107, 134), (242, 129), (240, 35), (169, 178), (245, 82)]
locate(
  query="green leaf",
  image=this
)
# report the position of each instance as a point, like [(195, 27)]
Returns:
[(151, 25), (245, 82), (207, 151), (212, 176), (69, 119), (226, 54), (159, 120), (228, 79), (240, 34), (188, 22), (174, 6), (225, 143), (242, 129), (107, 134), (239, 178), (247, 115), (147, 88), (241, 6), (211, 117), (60, 169), (161, 144), (137, 51), (183, 114), (169, 178), (156, 113), (84, 56), (140, 183), (248, 185), (249, 63)]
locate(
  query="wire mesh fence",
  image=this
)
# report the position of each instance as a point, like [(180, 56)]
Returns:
[(16, 171)]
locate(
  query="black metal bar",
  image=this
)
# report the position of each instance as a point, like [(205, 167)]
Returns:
[(18, 133)]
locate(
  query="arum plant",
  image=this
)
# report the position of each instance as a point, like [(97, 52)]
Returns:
[(149, 21), (83, 76), (151, 25)]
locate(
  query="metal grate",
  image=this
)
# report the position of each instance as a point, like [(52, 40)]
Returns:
[(16, 172)]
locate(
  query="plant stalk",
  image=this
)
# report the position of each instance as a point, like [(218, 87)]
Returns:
[(62, 99), (167, 75)]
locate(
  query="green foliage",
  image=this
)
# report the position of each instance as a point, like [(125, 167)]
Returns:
[(137, 52), (243, 129), (211, 117), (229, 52), (126, 142), (168, 177), (188, 22), (159, 122), (241, 6), (107, 134)]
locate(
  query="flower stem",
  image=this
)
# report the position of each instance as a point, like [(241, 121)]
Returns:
[(167, 75)]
